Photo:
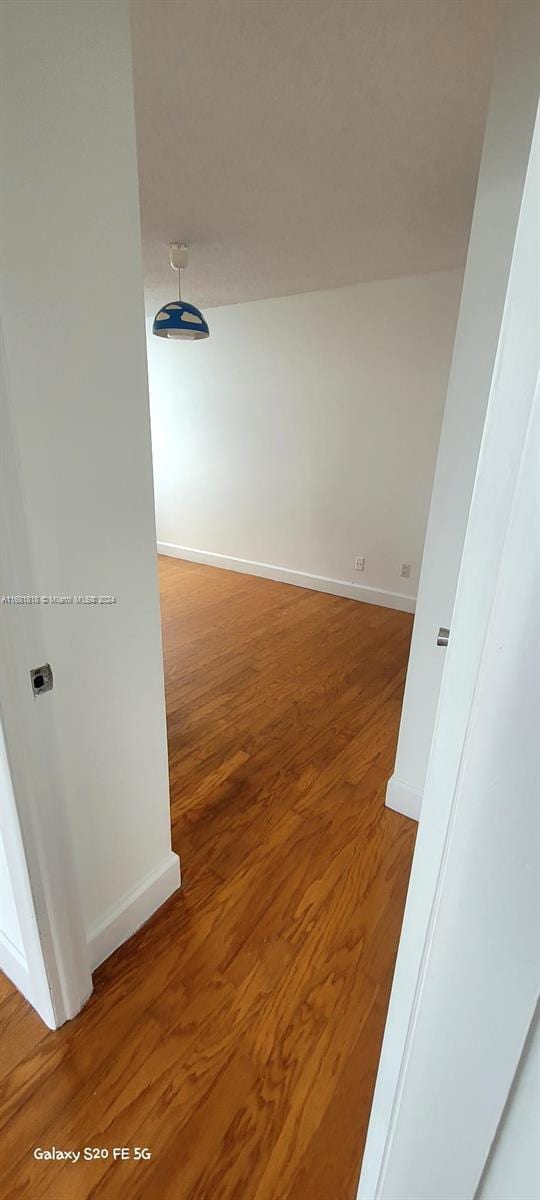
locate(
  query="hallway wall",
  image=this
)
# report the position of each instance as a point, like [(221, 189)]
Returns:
[(71, 301), (510, 125)]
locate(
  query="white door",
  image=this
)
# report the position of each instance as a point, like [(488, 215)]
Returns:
[(42, 942), (467, 974), (21, 957)]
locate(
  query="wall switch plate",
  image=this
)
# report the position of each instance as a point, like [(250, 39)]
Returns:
[(360, 562), (405, 571)]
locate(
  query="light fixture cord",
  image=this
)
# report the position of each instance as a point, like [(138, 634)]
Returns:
[(179, 283)]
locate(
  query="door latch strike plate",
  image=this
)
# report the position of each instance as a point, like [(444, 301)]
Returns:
[(41, 679)]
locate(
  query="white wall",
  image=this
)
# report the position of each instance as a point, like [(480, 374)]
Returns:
[(304, 431), (504, 161), (71, 302)]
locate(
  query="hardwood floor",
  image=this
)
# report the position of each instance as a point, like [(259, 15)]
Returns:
[(237, 1034)]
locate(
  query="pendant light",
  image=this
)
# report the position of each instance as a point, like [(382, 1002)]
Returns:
[(178, 319)]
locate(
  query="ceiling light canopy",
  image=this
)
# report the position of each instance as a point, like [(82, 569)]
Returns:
[(178, 319)]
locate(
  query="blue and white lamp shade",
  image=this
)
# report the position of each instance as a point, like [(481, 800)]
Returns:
[(180, 320)]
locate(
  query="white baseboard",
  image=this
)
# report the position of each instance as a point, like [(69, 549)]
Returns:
[(403, 798), (135, 907), (318, 583)]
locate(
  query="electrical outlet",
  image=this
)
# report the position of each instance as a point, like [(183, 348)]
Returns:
[(405, 571), (360, 562)]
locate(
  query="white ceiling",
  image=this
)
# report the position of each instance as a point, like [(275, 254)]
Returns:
[(306, 144)]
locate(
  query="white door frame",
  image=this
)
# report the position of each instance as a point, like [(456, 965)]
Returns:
[(54, 936), (509, 414)]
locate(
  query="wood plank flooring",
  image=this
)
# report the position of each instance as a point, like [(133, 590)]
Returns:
[(237, 1034)]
